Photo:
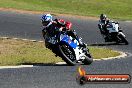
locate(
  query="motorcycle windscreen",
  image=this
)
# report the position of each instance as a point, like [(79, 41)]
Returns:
[(113, 28), (68, 41)]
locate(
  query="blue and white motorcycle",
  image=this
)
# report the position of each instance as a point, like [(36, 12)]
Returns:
[(69, 49)]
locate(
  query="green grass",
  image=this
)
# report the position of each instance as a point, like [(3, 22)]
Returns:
[(115, 9), (17, 52), (99, 53)]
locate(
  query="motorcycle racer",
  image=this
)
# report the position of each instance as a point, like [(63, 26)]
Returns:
[(111, 31), (53, 26), (63, 41), (103, 22)]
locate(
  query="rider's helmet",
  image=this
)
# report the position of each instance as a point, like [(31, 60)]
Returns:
[(103, 17), (46, 20)]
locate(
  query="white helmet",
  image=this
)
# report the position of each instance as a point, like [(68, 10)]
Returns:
[(46, 19)]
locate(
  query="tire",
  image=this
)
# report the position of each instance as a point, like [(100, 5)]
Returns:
[(88, 60), (67, 53), (124, 40)]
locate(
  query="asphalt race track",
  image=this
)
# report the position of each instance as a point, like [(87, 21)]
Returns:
[(61, 76)]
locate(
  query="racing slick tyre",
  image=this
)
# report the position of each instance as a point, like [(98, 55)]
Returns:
[(124, 40), (68, 54)]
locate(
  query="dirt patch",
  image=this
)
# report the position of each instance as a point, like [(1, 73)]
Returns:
[(41, 12)]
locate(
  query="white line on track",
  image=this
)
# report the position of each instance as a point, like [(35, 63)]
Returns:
[(20, 66)]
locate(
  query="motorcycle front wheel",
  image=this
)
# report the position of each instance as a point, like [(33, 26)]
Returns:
[(124, 40), (68, 54)]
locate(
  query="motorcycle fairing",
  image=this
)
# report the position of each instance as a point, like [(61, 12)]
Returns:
[(68, 41), (113, 27), (73, 44)]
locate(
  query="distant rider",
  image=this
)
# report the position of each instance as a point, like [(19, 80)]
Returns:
[(103, 22), (54, 26)]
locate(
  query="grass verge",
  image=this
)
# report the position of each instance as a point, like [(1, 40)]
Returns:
[(18, 52), (116, 9)]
